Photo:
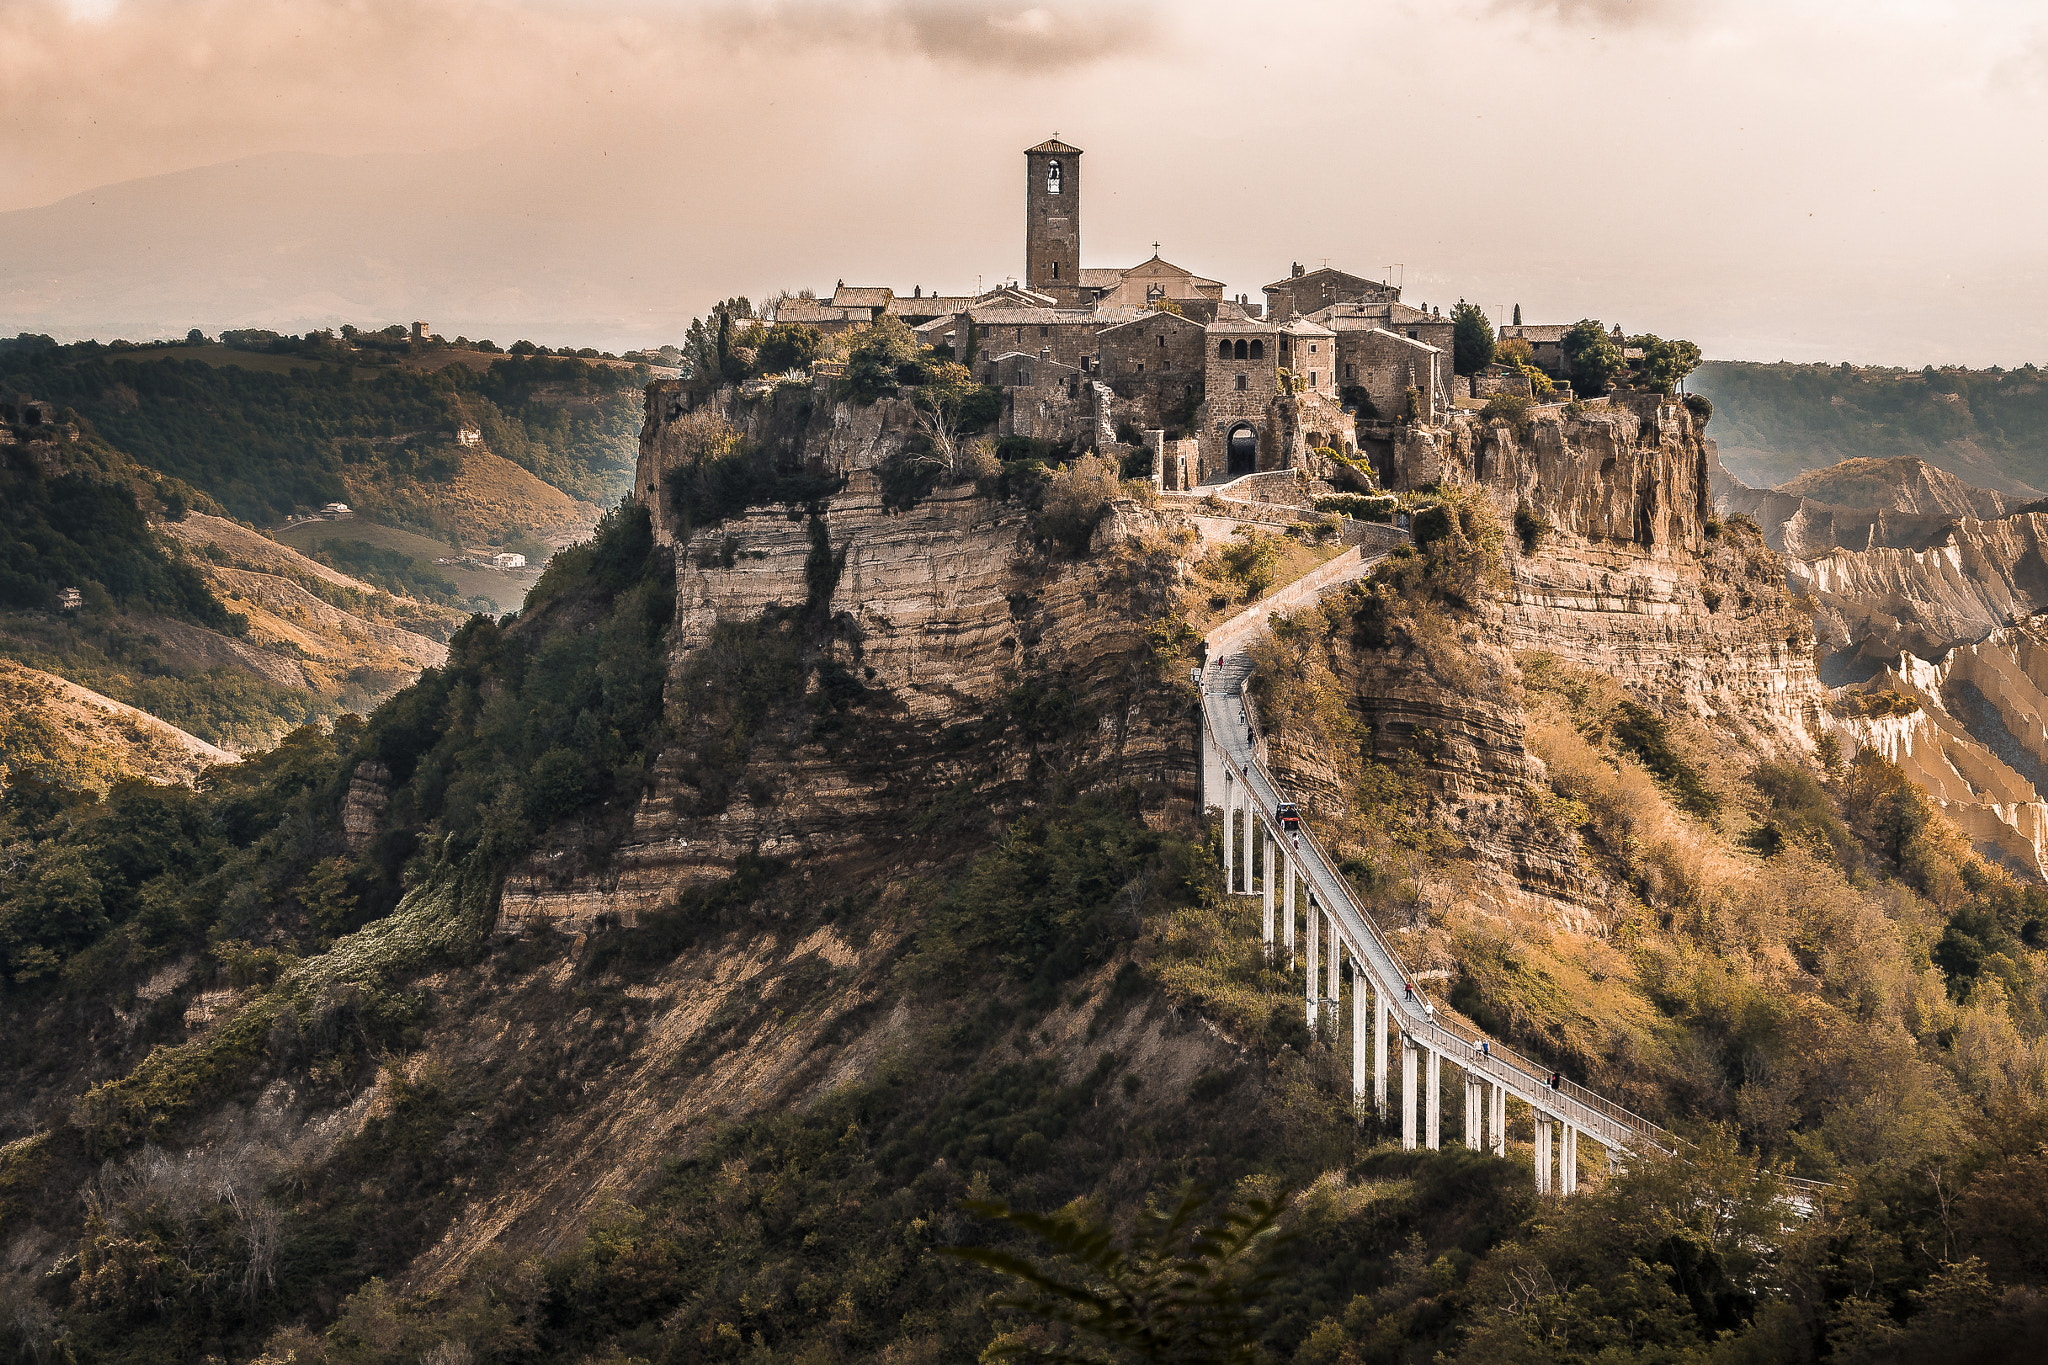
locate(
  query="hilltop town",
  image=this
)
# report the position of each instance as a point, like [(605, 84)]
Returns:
[(1220, 387)]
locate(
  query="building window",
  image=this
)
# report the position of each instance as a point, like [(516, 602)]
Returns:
[(1045, 331), (1312, 379), (1141, 367), (1052, 177), (1411, 334), (1241, 385), (1258, 350), (1056, 264), (1311, 348), (1223, 350), (1162, 340), (1351, 372), (1239, 352)]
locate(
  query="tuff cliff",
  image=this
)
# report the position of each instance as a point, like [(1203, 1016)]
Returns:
[(1608, 558), (945, 642)]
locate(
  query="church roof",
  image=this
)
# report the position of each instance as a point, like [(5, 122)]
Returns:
[(1053, 144), (1101, 277)]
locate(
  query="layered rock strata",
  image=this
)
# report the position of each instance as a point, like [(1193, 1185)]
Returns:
[(988, 664)]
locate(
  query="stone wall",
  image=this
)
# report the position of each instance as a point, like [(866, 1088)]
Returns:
[(1386, 366)]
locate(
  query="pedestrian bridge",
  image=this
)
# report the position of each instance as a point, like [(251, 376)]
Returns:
[(1301, 888)]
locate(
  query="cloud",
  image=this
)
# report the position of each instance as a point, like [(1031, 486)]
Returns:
[(1606, 14), (1025, 36)]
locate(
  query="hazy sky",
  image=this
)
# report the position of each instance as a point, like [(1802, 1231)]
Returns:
[(1812, 180)]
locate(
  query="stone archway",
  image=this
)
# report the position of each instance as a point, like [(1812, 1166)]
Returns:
[(1241, 451)]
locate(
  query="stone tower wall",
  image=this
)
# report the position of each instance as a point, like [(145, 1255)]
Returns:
[(1052, 225)]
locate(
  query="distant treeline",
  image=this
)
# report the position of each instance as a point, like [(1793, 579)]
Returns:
[(272, 439), (1789, 418)]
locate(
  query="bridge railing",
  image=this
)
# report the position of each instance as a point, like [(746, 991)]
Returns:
[(1601, 1117)]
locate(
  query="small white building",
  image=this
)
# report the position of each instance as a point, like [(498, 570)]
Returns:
[(508, 561), (70, 599), (469, 436), (336, 509)]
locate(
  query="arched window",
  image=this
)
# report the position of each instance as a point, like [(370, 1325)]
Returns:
[(1223, 350), (1052, 177), (1258, 350), (1240, 350)]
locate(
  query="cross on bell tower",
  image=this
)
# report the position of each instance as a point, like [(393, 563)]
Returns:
[(1052, 220)]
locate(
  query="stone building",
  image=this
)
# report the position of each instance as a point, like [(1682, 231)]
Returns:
[(1546, 343), (1306, 291), (1158, 360)]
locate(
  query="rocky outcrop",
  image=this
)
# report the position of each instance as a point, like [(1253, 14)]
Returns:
[(979, 658), (1612, 564), (1877, 604), (1856, 505), (1978, 744), (369, 796)]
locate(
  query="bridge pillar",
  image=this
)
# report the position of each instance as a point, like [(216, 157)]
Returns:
[(1500, 1120), (1474, 1118), (1542, 1154), (1229, 833), (1358, 1035), (1312, 979), (1567, 1159), (1287, 895), (1251, 821), (1407, 1092), (1433, 1098), (1267, 883), (1379, 1051), (1336, 965)]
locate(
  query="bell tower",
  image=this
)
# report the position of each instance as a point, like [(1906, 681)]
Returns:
[(1052, 221)]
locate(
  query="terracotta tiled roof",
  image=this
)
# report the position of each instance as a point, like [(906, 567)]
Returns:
[(862, 296), (1052, 144), (1150, 315), (1101, 277), (931, 305), (1407, 341), (1303, 327), (1008, 315), (814, 310)]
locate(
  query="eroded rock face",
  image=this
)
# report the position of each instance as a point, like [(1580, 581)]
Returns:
[(1978, 745), (1619, 574), (1877, 604), (369, 795), (964, 637)]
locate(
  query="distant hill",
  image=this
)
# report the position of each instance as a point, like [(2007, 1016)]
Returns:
[(1776, 422), (56, 732), (1903, 485), (524, 447)]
